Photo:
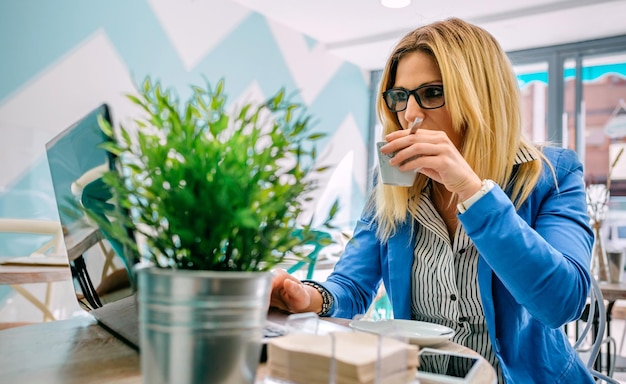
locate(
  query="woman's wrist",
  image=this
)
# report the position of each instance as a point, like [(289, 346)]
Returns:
[(471, 189), (321, 299)]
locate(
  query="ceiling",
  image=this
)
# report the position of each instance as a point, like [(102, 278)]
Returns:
[(364, 32)]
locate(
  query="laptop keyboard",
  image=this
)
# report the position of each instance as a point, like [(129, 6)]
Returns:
[(272, 330)]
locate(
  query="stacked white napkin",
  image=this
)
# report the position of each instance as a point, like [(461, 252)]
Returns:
[(302, 358)]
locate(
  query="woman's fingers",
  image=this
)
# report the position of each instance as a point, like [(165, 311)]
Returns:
[(434, 155), (279, 276), (422, 143), (400, 140), (288, 293), (397, 134), (295, 296), (278, 282)]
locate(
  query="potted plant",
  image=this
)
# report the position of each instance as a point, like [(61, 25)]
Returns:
[(214, 197)]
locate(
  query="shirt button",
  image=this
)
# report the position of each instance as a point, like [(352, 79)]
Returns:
[(463, 319), (461, 251), (453, 297)]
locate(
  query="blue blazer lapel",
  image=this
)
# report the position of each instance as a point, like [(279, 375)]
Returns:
[(399, 260), (485, 284)]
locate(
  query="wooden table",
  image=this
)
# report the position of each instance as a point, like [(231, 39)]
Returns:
[(78, 350), (16, 275), (34, 269), (29, 274), (613, 291), (81, 239)]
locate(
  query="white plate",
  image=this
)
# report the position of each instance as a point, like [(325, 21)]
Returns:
[(417, 332)]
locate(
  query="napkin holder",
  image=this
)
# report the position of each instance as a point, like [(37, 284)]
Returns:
[(306, 355)]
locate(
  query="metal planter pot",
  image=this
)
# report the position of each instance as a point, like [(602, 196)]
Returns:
[(201, 326)]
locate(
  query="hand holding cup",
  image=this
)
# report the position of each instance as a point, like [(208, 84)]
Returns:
[(392, 175)]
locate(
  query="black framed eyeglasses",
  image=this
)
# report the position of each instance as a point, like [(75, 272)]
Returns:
[(428, 96)]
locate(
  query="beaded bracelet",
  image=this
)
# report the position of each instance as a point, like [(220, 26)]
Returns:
[(327, 298)]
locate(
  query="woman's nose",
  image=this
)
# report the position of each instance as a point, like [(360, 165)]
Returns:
[(413, 110)]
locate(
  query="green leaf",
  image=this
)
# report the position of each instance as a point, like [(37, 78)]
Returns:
[(147, 85), (105, 126), (316, 136)]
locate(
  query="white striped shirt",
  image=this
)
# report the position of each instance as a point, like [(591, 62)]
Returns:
[(445, 286), (445, 279)]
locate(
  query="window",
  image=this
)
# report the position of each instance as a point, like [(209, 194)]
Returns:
[(574, 95)]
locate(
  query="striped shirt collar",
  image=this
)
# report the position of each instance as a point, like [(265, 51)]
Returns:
[(523, 155)]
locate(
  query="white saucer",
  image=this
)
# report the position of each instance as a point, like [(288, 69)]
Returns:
[(417, 332)]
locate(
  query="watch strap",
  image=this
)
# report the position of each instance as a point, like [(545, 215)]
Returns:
[(487, 185)]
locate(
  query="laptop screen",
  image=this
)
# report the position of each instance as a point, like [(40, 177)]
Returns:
[(76, 163), (73, 155)]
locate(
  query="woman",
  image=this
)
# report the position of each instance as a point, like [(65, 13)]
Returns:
[(492, 239)]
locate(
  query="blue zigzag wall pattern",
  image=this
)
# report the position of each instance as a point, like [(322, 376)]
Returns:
[(60, 59)]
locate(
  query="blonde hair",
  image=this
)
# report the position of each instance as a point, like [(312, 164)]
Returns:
[(482, 97)]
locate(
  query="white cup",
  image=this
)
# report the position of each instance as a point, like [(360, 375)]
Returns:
[(393, 175)]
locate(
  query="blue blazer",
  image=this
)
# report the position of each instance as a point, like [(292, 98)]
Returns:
[(533, 272)]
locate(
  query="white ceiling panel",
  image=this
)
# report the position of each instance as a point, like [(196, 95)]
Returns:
[(363, 31)]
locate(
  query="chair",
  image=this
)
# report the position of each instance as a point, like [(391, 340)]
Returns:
[(321, 240), (595, 318), (36, 227), (619, 312), (44, 265)]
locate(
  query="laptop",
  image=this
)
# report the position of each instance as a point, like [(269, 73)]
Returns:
[(76, 160)]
